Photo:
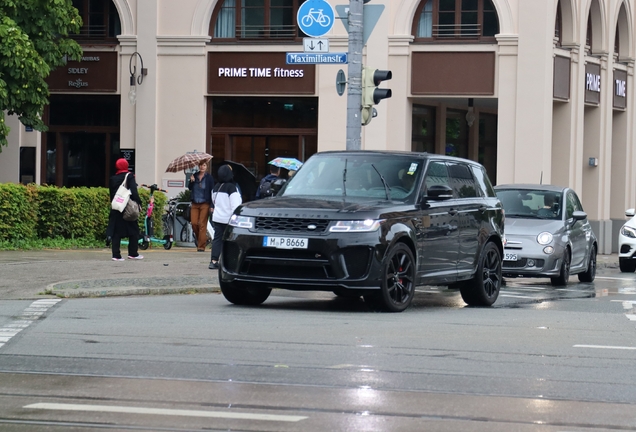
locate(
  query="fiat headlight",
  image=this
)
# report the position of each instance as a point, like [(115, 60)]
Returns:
[(544, 238), (628, 232), (356, 226), (241, 221)]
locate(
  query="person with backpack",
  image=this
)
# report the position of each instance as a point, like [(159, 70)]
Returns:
[(265, 187), (225, 199)]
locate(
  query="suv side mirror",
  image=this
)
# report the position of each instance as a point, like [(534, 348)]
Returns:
[(439, 192), (630, 212)]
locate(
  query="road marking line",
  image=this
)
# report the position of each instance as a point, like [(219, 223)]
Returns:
[(165, 412), (614, 278), (631, 317), (29, 315), (604, 347), (516, 296)]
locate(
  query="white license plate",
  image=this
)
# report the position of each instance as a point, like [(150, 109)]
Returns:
[(510, 257), (285, 242)]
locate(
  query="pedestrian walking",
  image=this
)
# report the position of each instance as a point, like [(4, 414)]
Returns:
[(265, 185), (225, 199), (118, 227), (201, 185)]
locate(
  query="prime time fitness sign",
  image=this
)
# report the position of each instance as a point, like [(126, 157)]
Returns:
[(593, 83), (258, 73)]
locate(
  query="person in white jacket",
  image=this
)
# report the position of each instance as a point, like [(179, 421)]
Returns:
[(225, 199)]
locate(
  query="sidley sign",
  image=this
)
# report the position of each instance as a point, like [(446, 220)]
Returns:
[(96, 72), (620, 89), (258, 73), (592, 83)]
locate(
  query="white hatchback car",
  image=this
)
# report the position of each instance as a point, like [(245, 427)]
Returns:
[(627, 243)]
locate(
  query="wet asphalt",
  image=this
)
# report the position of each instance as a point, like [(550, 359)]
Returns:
[(91, 273)]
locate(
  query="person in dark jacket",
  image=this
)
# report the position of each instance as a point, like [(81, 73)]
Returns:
[(200, 186), (225, 199), (274, 174), (118, 227)]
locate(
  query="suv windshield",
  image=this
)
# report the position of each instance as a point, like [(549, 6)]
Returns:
[(324, 176), (531, 204)]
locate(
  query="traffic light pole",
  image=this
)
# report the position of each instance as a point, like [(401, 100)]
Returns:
[(354, 92)]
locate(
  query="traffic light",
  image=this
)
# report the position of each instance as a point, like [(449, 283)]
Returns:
[(371, 95)]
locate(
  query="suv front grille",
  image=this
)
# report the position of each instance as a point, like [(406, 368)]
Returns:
[(290, 225)]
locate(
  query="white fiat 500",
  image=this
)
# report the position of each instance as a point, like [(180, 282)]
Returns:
[(627, 243)]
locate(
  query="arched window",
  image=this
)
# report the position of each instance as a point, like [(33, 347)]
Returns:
[(456, 19), (588, 34), (100, 21), (255, 19), (558, 25)]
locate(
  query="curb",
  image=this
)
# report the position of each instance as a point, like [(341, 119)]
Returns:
[(133, 287)]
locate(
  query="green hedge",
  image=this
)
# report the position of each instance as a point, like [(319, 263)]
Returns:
[(46, 212)]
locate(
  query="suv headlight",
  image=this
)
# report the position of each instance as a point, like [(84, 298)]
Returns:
[(628, 232), (356, 226), (241, 221), (544, 238)]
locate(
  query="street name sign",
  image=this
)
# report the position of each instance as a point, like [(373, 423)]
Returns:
[(318, 58), (316, 45), (315, 17)]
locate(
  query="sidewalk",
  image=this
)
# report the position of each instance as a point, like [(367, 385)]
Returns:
[(91, 273)]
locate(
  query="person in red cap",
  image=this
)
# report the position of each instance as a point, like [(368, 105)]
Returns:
[(117, 226)]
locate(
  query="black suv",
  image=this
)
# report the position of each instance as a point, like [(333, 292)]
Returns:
[(375, 224)]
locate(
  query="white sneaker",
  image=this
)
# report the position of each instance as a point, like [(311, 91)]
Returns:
[(138, 257), (118, 259)]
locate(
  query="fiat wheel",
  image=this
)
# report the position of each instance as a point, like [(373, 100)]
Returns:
[(590, 274), (564, 274)]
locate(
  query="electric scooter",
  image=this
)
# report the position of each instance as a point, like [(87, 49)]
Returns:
[(168, 222)]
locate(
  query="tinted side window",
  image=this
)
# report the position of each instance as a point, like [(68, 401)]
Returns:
[(483, 182), (462, 181), (436, 174)]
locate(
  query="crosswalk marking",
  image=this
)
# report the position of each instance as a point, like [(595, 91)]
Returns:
[(32, 313), (165, 412)]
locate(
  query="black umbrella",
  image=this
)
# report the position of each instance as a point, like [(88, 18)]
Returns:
[(244, 178)]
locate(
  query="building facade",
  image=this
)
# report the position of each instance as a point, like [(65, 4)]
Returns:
[(537, 91)]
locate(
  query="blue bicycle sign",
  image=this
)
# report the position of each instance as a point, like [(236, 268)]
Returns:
[(315, 18)]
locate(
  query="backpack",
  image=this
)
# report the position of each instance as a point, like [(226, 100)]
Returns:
[(265, 189)]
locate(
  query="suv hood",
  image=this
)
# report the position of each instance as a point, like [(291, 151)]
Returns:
[(297, 207)]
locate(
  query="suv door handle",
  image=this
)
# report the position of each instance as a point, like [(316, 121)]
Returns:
[(452, 212)]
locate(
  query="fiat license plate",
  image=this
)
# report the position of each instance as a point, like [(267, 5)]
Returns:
[(285, 242), (510, 257)]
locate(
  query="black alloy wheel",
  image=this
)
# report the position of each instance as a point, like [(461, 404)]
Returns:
[(398, 281), (590, 274), (564, 275), (483, 289)]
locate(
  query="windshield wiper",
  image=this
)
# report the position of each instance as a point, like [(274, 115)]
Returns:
[(386, 186), (344, 180)]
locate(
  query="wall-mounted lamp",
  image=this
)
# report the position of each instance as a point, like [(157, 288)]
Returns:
[(134, 79), (470, 115)]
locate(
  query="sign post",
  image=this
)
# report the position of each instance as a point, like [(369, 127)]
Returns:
[(354, 93)]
